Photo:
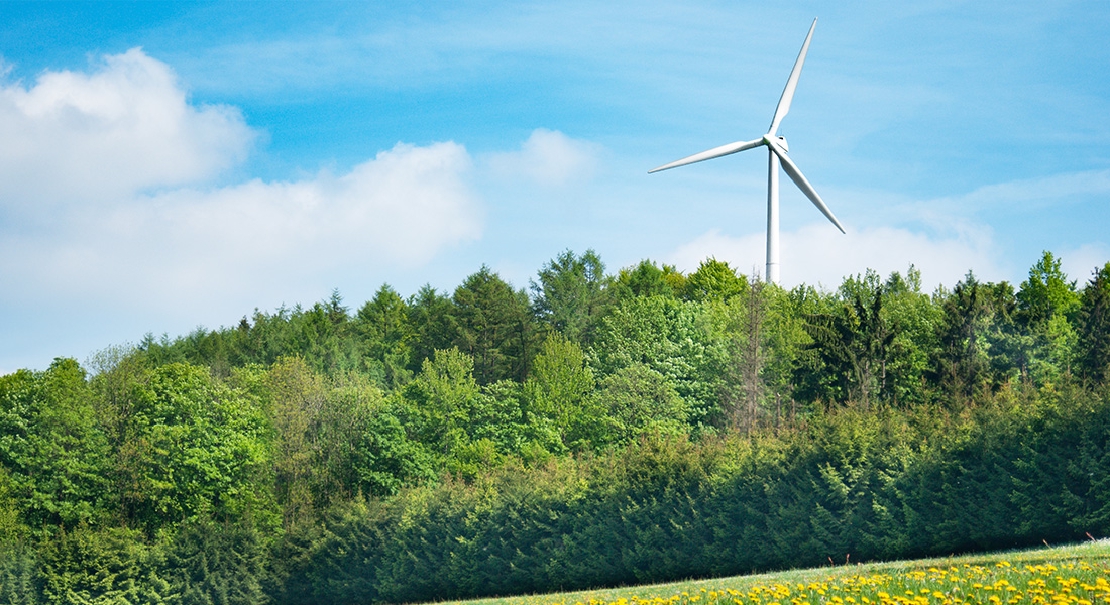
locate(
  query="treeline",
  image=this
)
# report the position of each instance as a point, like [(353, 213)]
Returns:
[(850, 486), (591, 429)]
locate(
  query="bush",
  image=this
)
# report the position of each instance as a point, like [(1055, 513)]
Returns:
[(215, 564), (85, 566), (1021, 468)]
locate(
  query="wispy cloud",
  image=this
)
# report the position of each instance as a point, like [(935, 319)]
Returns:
[(549, 158), (1031, 193)]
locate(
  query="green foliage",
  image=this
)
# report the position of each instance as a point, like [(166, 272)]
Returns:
[(85, 566), (802, 373), (215, 564), (55, 454), (853, 482), (493, 324), (668, 336), (1093, 326), (607, 430), (441, 400), (1046, 293), (1047, 304), (429, 318), (20, 577), (914, 322), (502, 419), (714, 280), (647, 279), (199, 449), (854, 343), (384, 328), (294, 396), (322, 334), (572, 294), (784, 341), (560, 395), (19, 572), (962, 366), (640, 400), (764, 332), (363, 446), (12, 529)]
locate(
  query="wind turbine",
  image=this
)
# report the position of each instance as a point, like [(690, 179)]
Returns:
[(777, 148)]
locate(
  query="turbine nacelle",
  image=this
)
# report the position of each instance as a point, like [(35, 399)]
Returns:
[(781, 141)]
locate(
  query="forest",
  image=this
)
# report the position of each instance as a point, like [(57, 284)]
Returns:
[(590, 429)]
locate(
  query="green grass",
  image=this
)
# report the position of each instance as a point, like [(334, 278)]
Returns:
[(999, 578)]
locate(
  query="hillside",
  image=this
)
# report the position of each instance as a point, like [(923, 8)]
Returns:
[(594, 429)]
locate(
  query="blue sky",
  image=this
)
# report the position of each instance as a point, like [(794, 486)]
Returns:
[(170, 165)]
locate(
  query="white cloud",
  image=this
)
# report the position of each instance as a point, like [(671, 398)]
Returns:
[(105, 188), (943, 237), (1037, 192), (819, 254), (188, 248), (1080, 263), (126, 127), (549, 158)]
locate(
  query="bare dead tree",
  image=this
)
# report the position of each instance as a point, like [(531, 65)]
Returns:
[(752, 359)]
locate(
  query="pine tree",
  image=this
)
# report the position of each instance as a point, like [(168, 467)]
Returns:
[(1093, 324)]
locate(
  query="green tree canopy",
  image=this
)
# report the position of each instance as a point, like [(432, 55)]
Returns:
[(429, 316), (441, 400), (383, 325), (641, 400), (668, 336), (1093, 326), (559, 394), (962, 365), (199, 449), (648, 279), (714, 280), (363, 446), (1046, 293), (572, 294), (53, 448), (493, 324)]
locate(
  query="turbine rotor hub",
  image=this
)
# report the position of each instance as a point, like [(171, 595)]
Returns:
[(779, 140)]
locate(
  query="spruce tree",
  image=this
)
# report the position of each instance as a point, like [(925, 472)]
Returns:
[(1093, 324)]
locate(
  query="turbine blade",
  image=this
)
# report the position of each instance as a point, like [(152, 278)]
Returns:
[(800, 180), (709, 154), (791, 83)]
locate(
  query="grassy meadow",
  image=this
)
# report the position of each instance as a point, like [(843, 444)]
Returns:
[(1073, 574)]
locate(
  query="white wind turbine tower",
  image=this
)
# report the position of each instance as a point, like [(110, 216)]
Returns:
[(777, 149)]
